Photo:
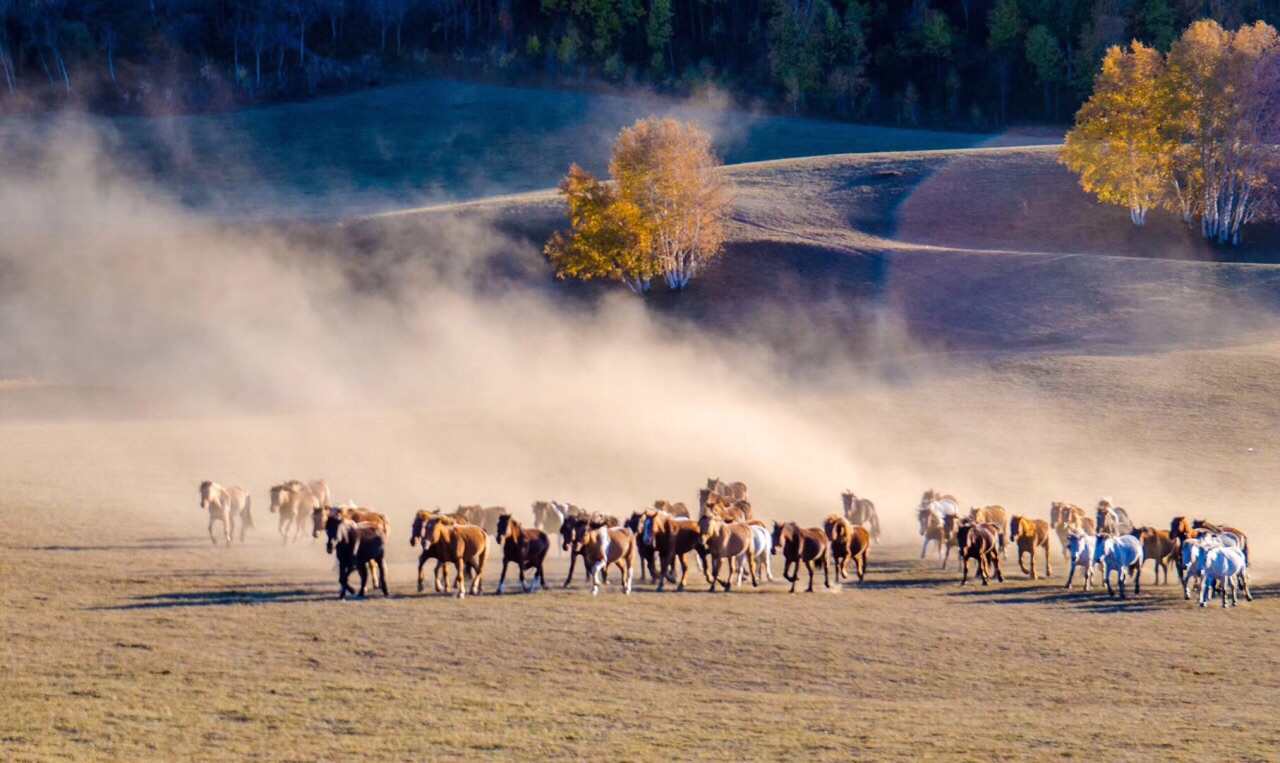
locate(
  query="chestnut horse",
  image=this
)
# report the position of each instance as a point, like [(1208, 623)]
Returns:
[(1160, 548), (359, 547), (726, 541), (980, 542), (464, 546), (801, 546), (602, 546), (676, 509), (725, 507), (1029, 535), (673, 538), (995, 515), (1064, 518), (861, 511), (526, 548), (226, 504), (848, 541), (734, 491)]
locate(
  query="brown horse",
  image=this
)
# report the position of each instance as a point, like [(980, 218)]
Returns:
[(848, 541), (801, 546), (464, 546), (431, 552), (673, 538), (995, 515), (602, 546), (725, 507), (735, 491), (1029, 535), (526, 548), (1160, 548), (861, 511), (1065, 518), (568, 542), (980, 542), (319, 516), (726, 541), (676, 509), (359, 548)]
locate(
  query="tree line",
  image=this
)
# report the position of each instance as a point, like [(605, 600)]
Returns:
[(1195, 131), (964, 63)]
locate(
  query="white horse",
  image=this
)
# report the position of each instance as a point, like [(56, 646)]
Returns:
[(1224, 565), (320, 490), (227, 505), (1081, 550), (759, 555), (1194, 551), (1122, 555)]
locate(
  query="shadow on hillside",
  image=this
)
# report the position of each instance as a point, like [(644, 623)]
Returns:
[(284, 595), (144, 544)]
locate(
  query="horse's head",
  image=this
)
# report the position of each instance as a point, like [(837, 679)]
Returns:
[(206, 493), (847, 498), (582, 528), (331, 527), (924, 515), (1077, 544), (567, 530), (777, 537), (506, 526), (708, 526), (1016, 525)]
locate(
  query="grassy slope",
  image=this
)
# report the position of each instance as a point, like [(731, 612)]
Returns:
[(137, 640)]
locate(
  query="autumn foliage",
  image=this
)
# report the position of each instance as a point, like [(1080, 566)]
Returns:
[(1195, 131), (663, 214)]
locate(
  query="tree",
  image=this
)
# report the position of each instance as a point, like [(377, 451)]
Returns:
[(663, 215), (1005, 28), (1115, 146), (1045, 56)]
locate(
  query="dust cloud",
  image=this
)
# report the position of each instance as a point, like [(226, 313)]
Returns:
[(167, 348)]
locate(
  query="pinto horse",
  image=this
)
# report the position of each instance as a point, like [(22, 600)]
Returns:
[(602, 546), (848, 542), (801, 546), (861, 511), (981, 543), (359, 547), (526, 548), (466, 547), (673, 538), (226, 504), (1029, 535), (729, 541)]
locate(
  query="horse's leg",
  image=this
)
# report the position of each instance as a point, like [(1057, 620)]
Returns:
[(733, 567), (1244, 583), (751, 561), (1048, 570), (363, 569), (1137, 580), (964, 573), (231, 517), (212, 537), (1023, 565), (343, 572), (520, 569), (1071, 574), (422, 560), (715, 572), (982, 569), (925, 547), (457, 583), (808, 563), (684, 572), (502, 579), (442, 576), (667, 565), (573, 559), (595, 571)]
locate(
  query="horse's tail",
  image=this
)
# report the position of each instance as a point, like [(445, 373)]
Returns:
[(246, 514)]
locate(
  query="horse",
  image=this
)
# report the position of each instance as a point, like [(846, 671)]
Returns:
[(939, 503), (761, 543), (568, 542), (676, 509), (292, 500), (647, 552), (319, 489), (848, 541), (1159, 548), (526, 548), (725, 507), (1081, 550), (1065, 518), (226, 504), (1201, 524), (734, 490), (319, 515), (1225, 565), (546, 518), (484, 517), (980, 542), (1029, 535), (466, 547), (995, 515), (931, 527), (430, 552), (861, 511), (729, 541), (672, 538), (801, 546), (1194, 550), (602, 546), (1120, 554), (950, 525), (359, 547), (1112, 519)]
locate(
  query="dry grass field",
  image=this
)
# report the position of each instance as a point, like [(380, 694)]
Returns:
[(875, 324)]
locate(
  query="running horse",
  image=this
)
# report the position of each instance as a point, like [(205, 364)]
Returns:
[(981, 543), (672, 538), (359, 547), (726, 541), (801, 546), (1064, 519), (464, 546), (1112, 519), (226, 504), (527, 548), (848, 542), (861, 511), (602, 546), (1029, 535)]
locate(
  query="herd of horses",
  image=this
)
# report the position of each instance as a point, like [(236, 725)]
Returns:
[(728, 543), (1211, 556)]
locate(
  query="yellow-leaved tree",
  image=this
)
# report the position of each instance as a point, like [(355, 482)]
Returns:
[(662, 216), (1116, 145)]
